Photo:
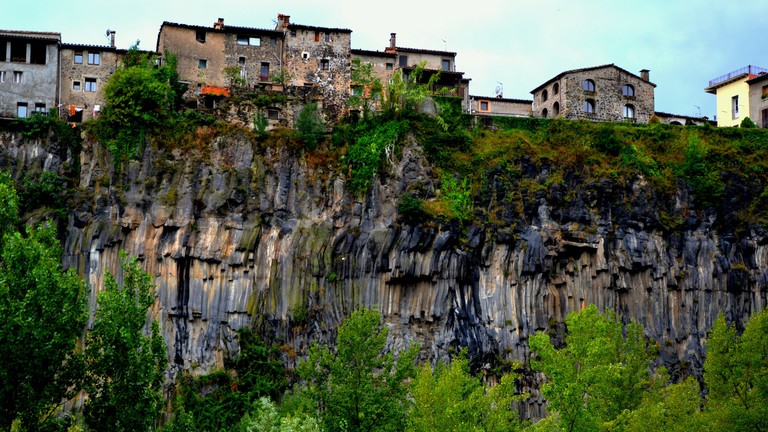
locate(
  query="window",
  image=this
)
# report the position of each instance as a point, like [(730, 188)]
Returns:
[(76, 85), (40, 108), (3, 47), (273, 114), (17, 77), (544, 113), (2, 76), (325, 64), (629, 112), (293, 33), (446, 66), (390, 66), (94, 58), (241, 61), (18, 52), (78, 57), (403, 61), (544, 95), (589, 106), (305, 55), (765, 92), (327, 37), (556, 108), (264, 71), (38, 53), (589, 85), (273, 41), (485, 106), (556, 88), (202, 64), (248, 40), (200, 35), (317, 36), (90, 84), (21, 110), (735, 106), (628, 91)]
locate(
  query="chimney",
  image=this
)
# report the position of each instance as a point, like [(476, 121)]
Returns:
[(112, 38), (645, 74), (218, 25), (392, 43), (283, 21)]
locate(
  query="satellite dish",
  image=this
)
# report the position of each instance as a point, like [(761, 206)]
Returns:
[(499, 91), (107, 33)]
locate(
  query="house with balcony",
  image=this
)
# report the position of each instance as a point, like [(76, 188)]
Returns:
[(29, 66), (598, 93), (734, 101)]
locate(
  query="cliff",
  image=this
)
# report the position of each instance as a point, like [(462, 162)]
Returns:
[(242, 233)]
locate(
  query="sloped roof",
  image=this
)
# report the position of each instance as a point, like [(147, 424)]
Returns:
[(494, 98), (293, 26), (425, 51), (224, 29), (53, 36), (372, 53), (587, 69)]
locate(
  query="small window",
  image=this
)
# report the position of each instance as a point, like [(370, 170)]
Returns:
[(628, 91), (544, 113), (327, 37), (90, 84), (556, 108), (273, 114), (2, 76), (735, 106), (589, 85), (3, 47), (544, 95), (76, 85), (273, 41), (40, 108), (21, 110), (325, 64), (390, 66), (18, 52), (94, 58), (18, 77), (264, 71), (293, 33), (403, 61), (317, 36), (241, 61), (202, 64), (200, 35), (556, 88), (589, 106), (78, 57), (485, 106), (629, 112), (765, 92), (446, 66), (38, 53), (199, 89)]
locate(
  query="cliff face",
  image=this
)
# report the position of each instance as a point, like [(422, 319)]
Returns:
[(250, 235)]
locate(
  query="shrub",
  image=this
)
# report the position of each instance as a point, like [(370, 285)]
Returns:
[(310, 127), (747, 123)]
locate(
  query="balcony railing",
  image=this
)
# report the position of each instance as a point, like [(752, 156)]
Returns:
[(749, 70)]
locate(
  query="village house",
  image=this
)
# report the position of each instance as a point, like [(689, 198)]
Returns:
[(740, 94), (29, 66), (487, 106), (599, 93)]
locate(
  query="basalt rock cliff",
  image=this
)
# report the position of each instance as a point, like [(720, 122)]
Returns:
[(247, 235)]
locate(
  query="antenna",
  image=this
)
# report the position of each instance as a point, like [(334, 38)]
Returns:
[(499, 90), (445, 42)]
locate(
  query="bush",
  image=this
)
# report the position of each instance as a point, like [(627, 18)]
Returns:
[(310, 127), (747, 123)]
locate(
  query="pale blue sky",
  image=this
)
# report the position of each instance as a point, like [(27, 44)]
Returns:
[(520, 43)]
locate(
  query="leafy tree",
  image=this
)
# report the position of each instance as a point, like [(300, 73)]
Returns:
[(44, 311), (265, 418), (673, 408), (369, 150), (368, 86), (451, 399), (310, 127), (125, 364), (404, 93), (736, 375), (601, 371), (359, 387)]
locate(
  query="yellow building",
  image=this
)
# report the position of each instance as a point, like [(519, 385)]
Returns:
[(733, 95)]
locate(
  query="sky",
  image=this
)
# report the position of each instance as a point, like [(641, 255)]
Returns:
[(513, 44)]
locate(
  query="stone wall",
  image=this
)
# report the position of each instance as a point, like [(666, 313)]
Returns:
[(182, 42), (251, 57), (72, 73)]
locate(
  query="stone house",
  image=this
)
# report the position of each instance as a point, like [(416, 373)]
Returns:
[(599, 93), (29, 66), (205, 53), (319, 59)]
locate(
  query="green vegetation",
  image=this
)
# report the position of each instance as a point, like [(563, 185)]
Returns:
[(310, 127), (366, 87), (369, 150)]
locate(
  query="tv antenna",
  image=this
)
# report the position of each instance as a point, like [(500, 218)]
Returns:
[(445, 43)]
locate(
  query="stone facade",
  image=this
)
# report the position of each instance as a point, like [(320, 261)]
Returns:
[(601, 93), (28, 72), (85, 71)]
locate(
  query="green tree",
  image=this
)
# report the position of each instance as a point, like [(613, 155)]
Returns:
[(366, 86), (266, 418), (736, 375), (451, 399), (405, 93), (44, 311), (310, 127), (601, 371), (747, 123), (673, 408), (359, 387), (125, 362)]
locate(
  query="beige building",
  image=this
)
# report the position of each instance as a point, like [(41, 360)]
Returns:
[(758, 99), (600, 93), (734, 101), (29, 65), (498, 106)]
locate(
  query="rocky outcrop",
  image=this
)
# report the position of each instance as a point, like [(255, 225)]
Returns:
[(250, 235)]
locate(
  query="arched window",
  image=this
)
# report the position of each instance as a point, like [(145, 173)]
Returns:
[(589, 106), (556, 108), (628, 90), (556, 88), (544, 113), (589, 85), (629, 112), (544, 95)]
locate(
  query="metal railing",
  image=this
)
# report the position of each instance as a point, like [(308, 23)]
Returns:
[(749, 70)]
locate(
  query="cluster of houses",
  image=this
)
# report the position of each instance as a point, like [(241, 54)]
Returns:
[(40, 73)]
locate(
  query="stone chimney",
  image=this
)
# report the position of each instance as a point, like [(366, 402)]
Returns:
[(645, 74), (112, 38), (392, 43), (283, 21), (218, 25)]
